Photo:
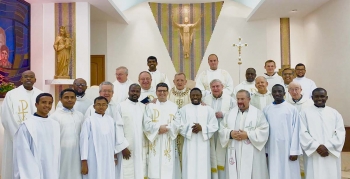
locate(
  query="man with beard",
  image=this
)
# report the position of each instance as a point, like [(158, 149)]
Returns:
[(198, 125), (322, 137), (263, 97), (131, 144), (244, 132), (157, 76), (288, 76), (283, 147), (307, 84), (82, 102), (249, 83), (148, 93), (18, 105)]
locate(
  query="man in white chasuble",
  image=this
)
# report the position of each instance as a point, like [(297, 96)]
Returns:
[(221, 103), (322, 136), (161, 131), (18, 104), (198, 125), (244, 132)]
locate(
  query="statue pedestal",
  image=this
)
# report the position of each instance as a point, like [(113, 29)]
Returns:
[(62, 77), (59, 82)]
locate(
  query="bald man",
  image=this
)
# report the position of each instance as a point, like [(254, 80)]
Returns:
[(82, 103), (18, 105), (263, 97), (296, 97)]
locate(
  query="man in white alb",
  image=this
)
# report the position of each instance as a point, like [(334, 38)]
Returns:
[(131, 144), (198, 125), (161, 131), (322, 137), (244, 133), (148, 92), (288, 76), (263, 97), (307, 84), (106, 89), (204, 78), (70, 121), (221, 103), (249, 83), (36, 144), (283, 147), (271, 76), (157, 76), (121, 85), (297, 97), (17, 106), (82, 103)]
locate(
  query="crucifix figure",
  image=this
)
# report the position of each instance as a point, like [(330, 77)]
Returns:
[(239, 45)]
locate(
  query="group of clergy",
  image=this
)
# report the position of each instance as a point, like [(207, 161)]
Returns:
[(255, 130)]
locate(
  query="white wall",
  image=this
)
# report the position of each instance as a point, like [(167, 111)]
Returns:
[(130, 45), (98, 38), (327, 45)]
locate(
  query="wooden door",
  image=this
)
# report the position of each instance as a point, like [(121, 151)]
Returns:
[(97, 67)]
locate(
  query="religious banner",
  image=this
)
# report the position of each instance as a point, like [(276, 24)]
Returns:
[(14, 41), (186, 30)]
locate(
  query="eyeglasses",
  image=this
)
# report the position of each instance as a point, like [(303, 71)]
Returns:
[(101, 105), (119, 74), (80, 84), (107, 91)]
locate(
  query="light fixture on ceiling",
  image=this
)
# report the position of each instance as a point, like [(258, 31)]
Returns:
[(294, 10)]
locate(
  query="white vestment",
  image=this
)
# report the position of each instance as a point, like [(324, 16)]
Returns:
[(322, 126), (302, 103), (18, 104), (70, 127), (37, 149), (196, 149), (121, 91), (129, 120), (179, 97), (159, 77), (204, 78), (217, 153), (307, 85), (97, 144), (81, 105), (245, 159), (161, 147), (283, 140), (272, 80), (111, 110), (150, 93), (260, 101), (249, 86)]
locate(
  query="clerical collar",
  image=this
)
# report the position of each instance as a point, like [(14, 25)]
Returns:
[(320, 106), (67, 110), (297, 100), (270, 75), (37, 115), (81, 96), (278, 103), (100, 114)]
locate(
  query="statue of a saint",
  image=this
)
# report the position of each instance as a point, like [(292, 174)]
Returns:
[(186, 34), (62, 47)]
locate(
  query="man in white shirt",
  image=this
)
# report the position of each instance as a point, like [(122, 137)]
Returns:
[(204, 78), (322, 136), (283, 146), (36, 144), (307, 84), (161, 132), (18, 105), (121, 85), (198, 125), (271, 76), (82, 103), (157, 76), (263, 97), (148, 93), (249, 83), (70, 121), (244, 132)]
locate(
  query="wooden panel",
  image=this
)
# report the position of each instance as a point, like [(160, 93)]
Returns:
[(285, 41), (97, 67), (346, 147)]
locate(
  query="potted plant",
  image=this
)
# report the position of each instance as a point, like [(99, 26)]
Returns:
[(6, 87)]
